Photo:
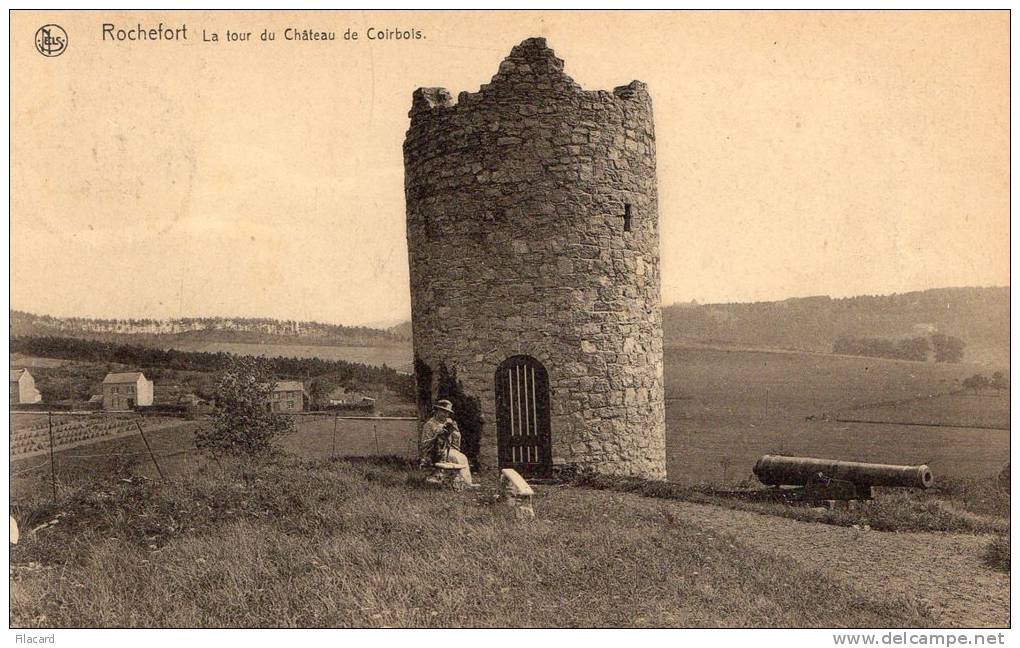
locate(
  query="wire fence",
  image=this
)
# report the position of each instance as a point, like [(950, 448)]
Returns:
[(161, 450)]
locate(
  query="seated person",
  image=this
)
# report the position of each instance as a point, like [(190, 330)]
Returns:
[(440, 439)]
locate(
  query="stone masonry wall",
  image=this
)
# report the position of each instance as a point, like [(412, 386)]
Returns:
[(515, 203)]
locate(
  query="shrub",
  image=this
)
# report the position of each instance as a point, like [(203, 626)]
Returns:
[(243, 425), (977, 381), (997, 553), (981, 495)]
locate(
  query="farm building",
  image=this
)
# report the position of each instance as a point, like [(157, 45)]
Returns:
[(126, 390), (288, 396), (340, 396), (350, 403), (533, 242), (22, 386)]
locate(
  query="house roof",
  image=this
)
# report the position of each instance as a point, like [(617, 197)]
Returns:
[(289, 385), (16, 374), (122, 377)]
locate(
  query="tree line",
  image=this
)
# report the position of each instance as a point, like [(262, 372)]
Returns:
[(267, 324), (142, 356), (945, 348), (980, 381)]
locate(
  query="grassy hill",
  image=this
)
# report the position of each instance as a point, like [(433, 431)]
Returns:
[(343, 544), (402, 331), (979, 316)]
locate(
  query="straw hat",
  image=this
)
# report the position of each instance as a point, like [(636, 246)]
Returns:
[(444, 405)]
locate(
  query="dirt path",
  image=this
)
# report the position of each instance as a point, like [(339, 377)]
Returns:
[(943, 570)]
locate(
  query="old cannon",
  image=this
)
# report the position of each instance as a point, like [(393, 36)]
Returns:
[(829, 479)]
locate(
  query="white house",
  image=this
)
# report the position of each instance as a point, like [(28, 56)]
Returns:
[(22, 388), (126, 390)]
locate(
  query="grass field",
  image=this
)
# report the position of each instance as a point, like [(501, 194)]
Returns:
[(335, 544), (967, 408), (112, 459), (313, 438), (172, 441), (724, 409)]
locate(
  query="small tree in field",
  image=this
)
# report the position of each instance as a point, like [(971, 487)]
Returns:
[(243, 425)]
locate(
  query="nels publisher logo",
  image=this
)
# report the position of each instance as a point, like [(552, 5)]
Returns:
[(51, 40)]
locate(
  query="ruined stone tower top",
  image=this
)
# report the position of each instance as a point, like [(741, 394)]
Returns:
[(533, 242), (530, 123), (531, 69)]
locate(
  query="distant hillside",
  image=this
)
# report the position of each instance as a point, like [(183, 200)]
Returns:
[(979, 316), (402, 331), (200, 329)]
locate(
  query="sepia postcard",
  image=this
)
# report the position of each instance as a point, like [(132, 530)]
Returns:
[(682, 319)]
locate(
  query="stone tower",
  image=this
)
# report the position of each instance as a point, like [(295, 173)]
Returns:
[(533, 237)]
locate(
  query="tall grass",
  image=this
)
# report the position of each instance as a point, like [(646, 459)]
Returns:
[(890, 510), (997, 553), (361, 544), (987, 496)]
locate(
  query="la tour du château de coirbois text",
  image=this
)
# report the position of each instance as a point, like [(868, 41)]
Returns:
[(163, 32)]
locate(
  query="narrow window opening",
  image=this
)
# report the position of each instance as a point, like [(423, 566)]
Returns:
[(627, 217)]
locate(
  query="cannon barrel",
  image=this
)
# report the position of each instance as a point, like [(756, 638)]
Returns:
[(776, 470)]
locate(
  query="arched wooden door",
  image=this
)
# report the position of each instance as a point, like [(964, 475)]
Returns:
[(523, 430)]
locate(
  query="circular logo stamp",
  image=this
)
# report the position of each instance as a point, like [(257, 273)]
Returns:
[(51, 40)]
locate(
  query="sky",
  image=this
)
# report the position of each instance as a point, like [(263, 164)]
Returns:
[(799, 153)]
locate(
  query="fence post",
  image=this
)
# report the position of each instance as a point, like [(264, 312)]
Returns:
[(336, 413), (53, 463), (149, 448), (375, 433)]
